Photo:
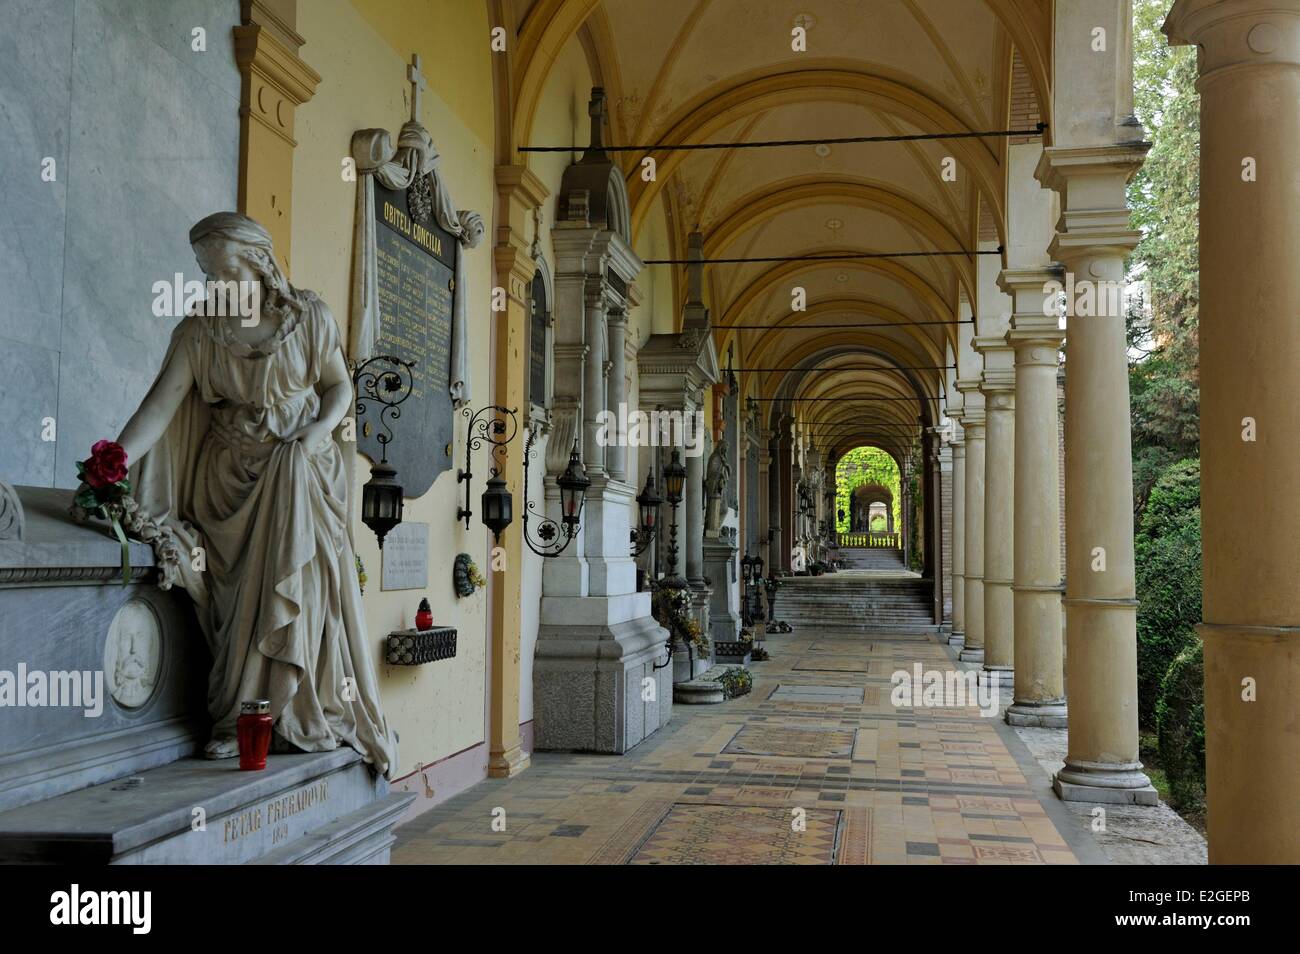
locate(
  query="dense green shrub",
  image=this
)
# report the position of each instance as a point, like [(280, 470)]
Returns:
[(1180, 727), (1168, 557)]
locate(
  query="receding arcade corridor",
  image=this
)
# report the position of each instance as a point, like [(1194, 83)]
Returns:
[(723, 784)]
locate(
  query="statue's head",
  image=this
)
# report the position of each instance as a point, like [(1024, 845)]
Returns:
[(230, 247)]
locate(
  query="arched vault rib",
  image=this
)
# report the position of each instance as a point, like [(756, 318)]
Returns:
[(932, 300), (549, 24), (771, 342), (771, 200), (720, 106)]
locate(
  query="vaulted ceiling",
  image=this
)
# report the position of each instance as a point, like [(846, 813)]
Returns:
[(695, 71)]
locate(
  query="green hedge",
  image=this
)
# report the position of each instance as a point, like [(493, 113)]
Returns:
[(1168, 558), (1180, 727)]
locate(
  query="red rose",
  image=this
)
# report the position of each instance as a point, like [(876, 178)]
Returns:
[(106, 464)]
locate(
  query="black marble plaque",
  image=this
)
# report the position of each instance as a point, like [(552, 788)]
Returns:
[(537, 343), (417, 266)]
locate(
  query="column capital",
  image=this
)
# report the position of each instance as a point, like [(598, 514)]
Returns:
[(1036, 347), (1242, 35), (1021, 283), (973, 402), (999, 374), (1095, 221), (1058, 166)]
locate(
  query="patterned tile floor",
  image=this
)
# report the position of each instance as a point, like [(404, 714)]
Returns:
[(816, 766)]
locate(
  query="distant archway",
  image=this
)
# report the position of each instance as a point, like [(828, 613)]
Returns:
[(867, 481)]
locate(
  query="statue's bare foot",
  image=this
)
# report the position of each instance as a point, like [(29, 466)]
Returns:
[(221, 749)]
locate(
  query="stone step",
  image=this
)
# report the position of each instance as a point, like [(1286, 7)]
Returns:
[(332, 799)]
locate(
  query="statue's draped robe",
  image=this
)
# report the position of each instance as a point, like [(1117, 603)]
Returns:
[(279, 602)]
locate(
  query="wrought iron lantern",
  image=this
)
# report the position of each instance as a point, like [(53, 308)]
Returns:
[(381, 501), (805, 502), (496, 426), (573, 490), (674, 481), (751, 568), (648, 502), (498, 506), (573, 484), (381, 497)]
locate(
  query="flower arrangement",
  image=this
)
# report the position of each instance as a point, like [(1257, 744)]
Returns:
[(466, 577), (107, 492), (671, 608), (736, 682), (361, 575), (756, 653)]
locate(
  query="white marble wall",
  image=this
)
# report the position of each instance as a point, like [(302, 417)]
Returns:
[(145, 134)]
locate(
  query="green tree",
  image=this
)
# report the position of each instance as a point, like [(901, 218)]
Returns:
[(1167, 547), (1164, 378), (865, 465)]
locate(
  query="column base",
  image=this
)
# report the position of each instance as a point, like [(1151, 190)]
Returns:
[(1113, 783), (1037, 715), (596, 659), (1006, 677), (974, 655), (957, 640), (508, 764)]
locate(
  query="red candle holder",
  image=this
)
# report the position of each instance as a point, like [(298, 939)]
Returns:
[(253, 729), (424, 616)]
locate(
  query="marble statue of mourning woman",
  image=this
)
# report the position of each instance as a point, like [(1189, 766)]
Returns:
[(232, 450)]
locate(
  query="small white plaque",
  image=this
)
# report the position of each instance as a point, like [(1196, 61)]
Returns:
[(406, 557)]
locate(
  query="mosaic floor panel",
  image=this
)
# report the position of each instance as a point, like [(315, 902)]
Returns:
[(794, 692), (725, 784), (740, 835), (780, 740)]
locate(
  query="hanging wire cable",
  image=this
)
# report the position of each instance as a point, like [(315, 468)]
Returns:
[(833, 257), (771, 143), (822, 327), (828, 367), (847, 400)]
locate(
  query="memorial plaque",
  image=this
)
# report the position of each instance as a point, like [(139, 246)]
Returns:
[(416, 269), (537, 343), (406, 557)]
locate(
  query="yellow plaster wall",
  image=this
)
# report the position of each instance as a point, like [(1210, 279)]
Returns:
[(361, 51)]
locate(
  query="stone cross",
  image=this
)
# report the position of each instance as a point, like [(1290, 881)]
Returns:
[(418, 84), (596, 110)]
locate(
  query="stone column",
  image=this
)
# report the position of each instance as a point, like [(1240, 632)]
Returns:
[(1039, 698), (1092, 239), (905, 480), (1250, 418), (593, 391), (788, 524), (998, 385), (935, 441), (616, 392), (774, 506), (972, 420), (958, 636), (693, 503)]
